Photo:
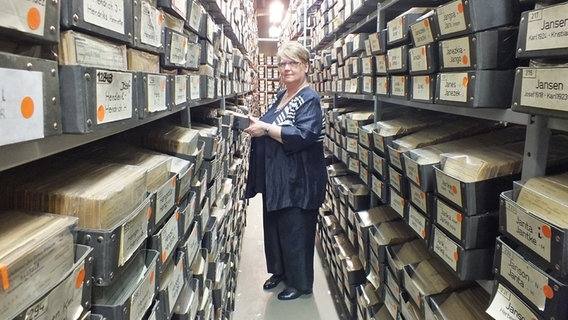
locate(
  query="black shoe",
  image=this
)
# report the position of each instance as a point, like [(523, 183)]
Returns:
[(272, 282), (292, 293)]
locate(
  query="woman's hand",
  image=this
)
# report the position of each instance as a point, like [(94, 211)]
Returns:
[(257, 128)]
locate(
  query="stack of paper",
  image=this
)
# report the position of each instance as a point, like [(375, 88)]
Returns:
[(172, 139), (547, 197), (432, 276), (465, 305)]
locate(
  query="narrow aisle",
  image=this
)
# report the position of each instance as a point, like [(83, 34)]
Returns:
[(254, 303)]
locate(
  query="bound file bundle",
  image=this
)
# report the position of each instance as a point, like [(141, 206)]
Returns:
[(547, 197)]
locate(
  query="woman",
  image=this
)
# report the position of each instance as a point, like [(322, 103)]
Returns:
[(287, 166)]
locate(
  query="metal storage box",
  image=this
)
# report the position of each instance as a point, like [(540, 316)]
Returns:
[(541, 91), (421, 175), (423, 88), (93, 99), (175, 7), (148, 27), (397, 59), (175, 49), (381, 64), (108, 19), (460, 17), (398, 28), (153, 90), (398, 203), (179, 89), (422, 31), (32, 111), (543, 32), (37, 21), (476, 89), (398, 182), (473, 264), (114, 248), (490, 49), (423, 59)]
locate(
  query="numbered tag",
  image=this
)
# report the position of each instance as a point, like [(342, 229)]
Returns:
[(151, 21), (506, 305), (451, 17), (114, 96), (544, 88), (529, 230), (547, 28), (446, 249), (107, 14), (449, 219)]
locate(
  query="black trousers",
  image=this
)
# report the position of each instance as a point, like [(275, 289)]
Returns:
[(289, 239)]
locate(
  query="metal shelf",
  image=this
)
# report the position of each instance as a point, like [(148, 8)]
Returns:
[(213, 9), (358, 96), (558, 124)]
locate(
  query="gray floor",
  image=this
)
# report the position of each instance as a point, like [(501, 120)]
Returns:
[(254, 303)]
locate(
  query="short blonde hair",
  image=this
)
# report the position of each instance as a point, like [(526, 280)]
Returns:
[(295, 51)]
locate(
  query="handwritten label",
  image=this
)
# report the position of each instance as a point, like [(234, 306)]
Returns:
[(175, 286), (395, 178), (165, 199), (108, 14), (364, 156), (21, 107), (184, 182), (397, 203), (93, 52), (379, 141), (193, 55), (392, 284), (132, 234), (180, 6), (353, 165), (382, 85), (448, 187), (451, 17), (189, 213), (151, 25), (192, 245), (114, 96), (169, 237), (395, 60), (453, 86), (418, 197), (194, 15), (391, 304), (418, 59), (507, 306), (396, 29), (449, 219), (352, 145), (422, 33), (544, 88), (547, 28), (368, 85), (352, 127), (375, 42), (381, 63), (421, 88), (355, 66), (27, 16), (367, 65), (527, 279), (377, 187), (156, 93), (398, 86), (412, 289), (445, 248), (528, 230), (364, 140), (411, 169), (417, 222), (194, 85), (142, 297), (180, 92), (364, 174), (178, 49), (395, 158), (456, 53)]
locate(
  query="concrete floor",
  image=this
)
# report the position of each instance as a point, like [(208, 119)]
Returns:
[(254, 303)]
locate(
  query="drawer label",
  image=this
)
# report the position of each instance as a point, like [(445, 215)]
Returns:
[(192, 245), (165, 198), (391, 304), (411, 169), (352, 145), (545, 88), (180, 94), (114, 96), (547, 28), (364, 155), (421, 88), (151, 25), (364, 139), (448, 187), (133, 234), (528, 280), (175, 286), (453, 86), (368, 85), (378, 164), (367, 65), (178, 49), (529, 230), (417, 222), (377, 187), (27, 16), (398, 86), (397, 203), (375, 42), (446, 249), (395, 158), (449, 219), (169, 237), (21, 106), (379, 142), (156, 93), (422, 33), (107, 14), (382, 87), (180, 6), (189, 212), (194, 86), (456, 53), (381, 63), (142, 297), (353, 165), (394, 178), (506, 305), (451, 17), (396, 29), (98, 53), (418, 197), (364, 174), (395, 59), (418, 59)]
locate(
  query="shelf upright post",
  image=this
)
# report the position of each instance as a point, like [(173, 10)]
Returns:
[(223, 84), (536, 147), (186, 116)]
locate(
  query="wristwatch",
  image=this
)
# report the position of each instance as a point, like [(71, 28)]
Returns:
[(266, 129)]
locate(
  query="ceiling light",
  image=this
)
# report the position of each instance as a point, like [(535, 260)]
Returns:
[(274, 32), (276, 12)]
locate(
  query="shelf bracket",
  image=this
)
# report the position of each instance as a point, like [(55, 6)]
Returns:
[(536, 147)]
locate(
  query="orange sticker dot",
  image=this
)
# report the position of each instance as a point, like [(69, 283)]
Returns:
[(5, 278), (427, 80), (402, 202), (465, 81), (80, 279), (423, 51), (27, 107), (160, 18), (454, 190), (419, 299), (386, 85), (465, 60), (395, 308), (422, 196), (163, 85), (426, 23), (181, 266), (164, 256), (460, 8), (417, 180), (177, 215), (548, 292), (546, 231), (174, 181), (183, 85), (101, 113), (400, 21), (390, 64), (184, 42), (34, 18), (456, 256), (149, 213), (179, 200), (459, 217), (402, 79), (423, 233), (152, 277)]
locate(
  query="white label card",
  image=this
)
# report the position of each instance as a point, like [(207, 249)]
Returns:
[(391, 304), (451, 17), (180, 89), (392, 284), (395, 59), (27, 16), (352, 126), (379, 142), (381, 62), (547, 28), (382, 87), (395, 178), (156, 93), (194, 86), (395, 158), (417, 222), (418, 197), (175, 286), (545, 88), (151, 24), (142, 297), (529, 230), (418, 59), (363, 155), (180, 6), (449, 187), (133, 233), (526, 278), (108, 14), (178, 49), (398, 86), (364, 174), (397, 203), (445, 248), (449, 219), (422, 33), (453, 86), (114, 96), (97, 53), (507, 306), (368, 85), (367, 65), (411, 169), (192, 245), (396, 29), (354, 165), (364, 139), (375, 42), (421, 90), (456, 53), (169, 237), (412, 289), (21, 105), (377, 187), (165, 199)]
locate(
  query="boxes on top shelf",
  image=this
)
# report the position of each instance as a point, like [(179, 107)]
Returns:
[(475, 89), (423, 88), (398, 28), (76, 48), (422, 31), (423, 59), (148, 27), (543, 32), (397, 59), (38, 22)]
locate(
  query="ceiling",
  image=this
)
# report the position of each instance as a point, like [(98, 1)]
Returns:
[(263, 21)]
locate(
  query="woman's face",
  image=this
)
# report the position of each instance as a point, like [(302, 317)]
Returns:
[(292, 71)]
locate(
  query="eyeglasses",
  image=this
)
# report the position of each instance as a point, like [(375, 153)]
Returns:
[(283, 64)]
